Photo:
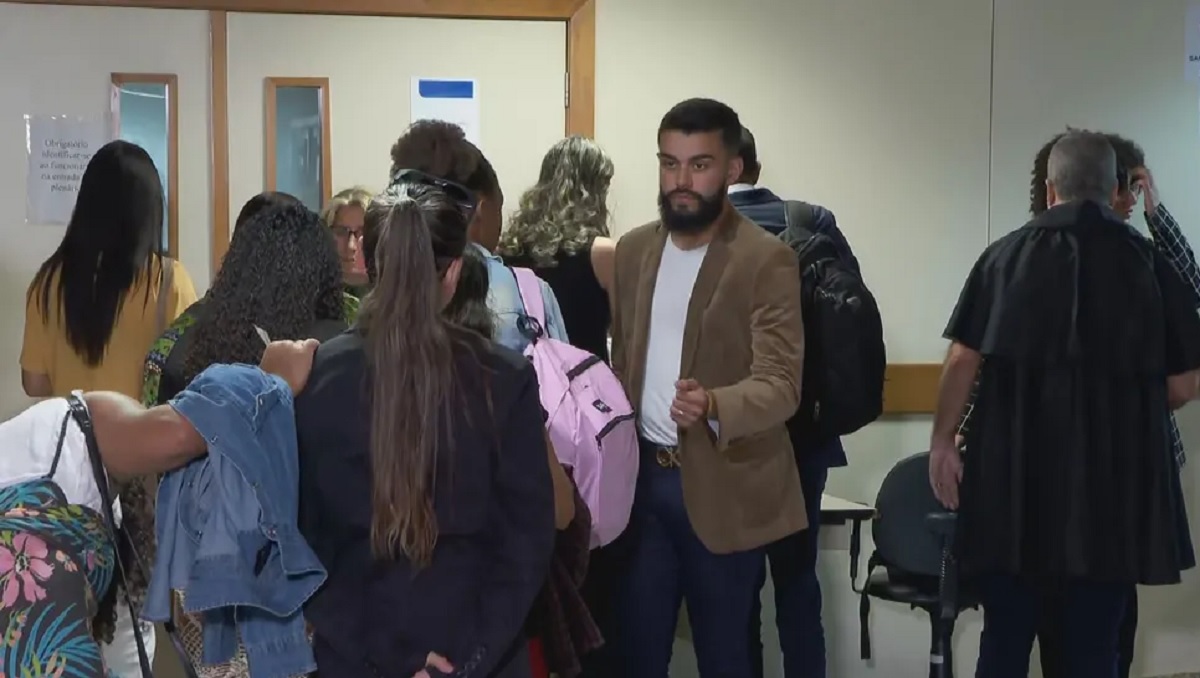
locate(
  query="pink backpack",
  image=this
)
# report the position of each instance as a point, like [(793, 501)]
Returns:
[(590, 420)]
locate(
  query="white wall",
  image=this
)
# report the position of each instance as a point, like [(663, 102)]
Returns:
[(60, 60), (883, 112), (369, 62)]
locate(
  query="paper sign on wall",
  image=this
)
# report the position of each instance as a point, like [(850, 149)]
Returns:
[(1192, 43), (59, 147), (455, 101)]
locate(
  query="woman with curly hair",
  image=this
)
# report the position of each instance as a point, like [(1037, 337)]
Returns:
[(561, 232), (281, 274), (255, 250)]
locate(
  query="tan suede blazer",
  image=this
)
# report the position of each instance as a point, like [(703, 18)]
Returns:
[(744, 342)]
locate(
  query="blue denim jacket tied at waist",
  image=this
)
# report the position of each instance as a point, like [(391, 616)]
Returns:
[(227, 525)]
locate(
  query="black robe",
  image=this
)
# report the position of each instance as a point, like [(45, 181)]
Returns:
[(1069, 469)]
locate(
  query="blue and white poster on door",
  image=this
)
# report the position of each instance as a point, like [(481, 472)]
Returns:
[(455, 101)]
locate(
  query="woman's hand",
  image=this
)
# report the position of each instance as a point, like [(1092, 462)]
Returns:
[(438, 663), (290, 360)]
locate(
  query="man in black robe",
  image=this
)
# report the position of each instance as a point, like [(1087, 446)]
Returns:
[(1082, 336)]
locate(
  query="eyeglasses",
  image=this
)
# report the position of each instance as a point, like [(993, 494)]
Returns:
[(462, 196), (343, 233)]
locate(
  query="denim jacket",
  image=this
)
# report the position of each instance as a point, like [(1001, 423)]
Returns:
[(226, 525), (504, 300)]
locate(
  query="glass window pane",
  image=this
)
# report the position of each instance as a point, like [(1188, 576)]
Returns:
[(298, 142), (144, 121)]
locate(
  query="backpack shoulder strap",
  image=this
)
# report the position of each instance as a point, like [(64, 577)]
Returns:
[(529, 287), (83, 419), (799, 215)]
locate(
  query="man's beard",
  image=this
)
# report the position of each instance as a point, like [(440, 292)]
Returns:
[(708, 209)]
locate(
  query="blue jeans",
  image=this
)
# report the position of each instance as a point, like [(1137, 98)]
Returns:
[(667, 565), (793, 562), (1092, 614)]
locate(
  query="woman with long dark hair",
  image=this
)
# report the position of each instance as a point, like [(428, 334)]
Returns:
[(92, 310), (281, 275), (426, 494), (98, 302)]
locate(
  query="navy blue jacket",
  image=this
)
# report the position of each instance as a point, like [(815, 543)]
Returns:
[(769, 211)]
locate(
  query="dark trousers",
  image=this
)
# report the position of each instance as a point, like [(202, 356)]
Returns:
[(667, 565), (1092, 614), (1051, 637), (793, 561), (601, 589)]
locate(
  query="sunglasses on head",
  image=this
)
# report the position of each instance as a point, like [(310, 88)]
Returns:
[(461, 195)]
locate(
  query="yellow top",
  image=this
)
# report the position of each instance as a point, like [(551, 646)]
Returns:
[(46, 350)]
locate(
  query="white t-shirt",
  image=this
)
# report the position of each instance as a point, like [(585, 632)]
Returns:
[(664, 348), (28, 442)]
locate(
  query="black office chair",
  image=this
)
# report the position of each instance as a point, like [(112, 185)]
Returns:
[(914, 562)]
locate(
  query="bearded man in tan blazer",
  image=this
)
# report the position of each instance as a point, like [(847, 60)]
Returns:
[(709, 343)]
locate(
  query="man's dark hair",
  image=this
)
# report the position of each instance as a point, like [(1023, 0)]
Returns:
[(443, 150), (704, 115), (1037, 183), (1130, 156), (748, 152), (282, 274)]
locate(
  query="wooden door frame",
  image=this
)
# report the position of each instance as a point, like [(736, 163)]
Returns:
[(579, 15)]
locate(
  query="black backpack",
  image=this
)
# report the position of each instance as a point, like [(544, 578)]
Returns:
[(844, 355)]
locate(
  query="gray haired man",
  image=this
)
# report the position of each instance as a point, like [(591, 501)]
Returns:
[(1070, 324)]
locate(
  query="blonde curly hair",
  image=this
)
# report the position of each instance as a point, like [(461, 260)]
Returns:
[(567, 208)]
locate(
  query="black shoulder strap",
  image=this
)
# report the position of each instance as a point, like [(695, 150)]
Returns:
[(799, 216), (80, 414), (62, 435)]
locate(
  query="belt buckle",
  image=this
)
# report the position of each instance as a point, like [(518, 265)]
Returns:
[(667, 457)]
